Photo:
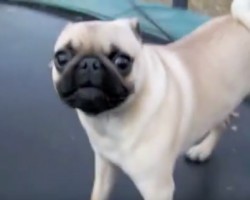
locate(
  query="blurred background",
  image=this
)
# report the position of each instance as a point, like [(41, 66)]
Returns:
[(209, 7)]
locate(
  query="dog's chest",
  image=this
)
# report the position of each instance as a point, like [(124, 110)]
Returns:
[(108, 138), (133, 145)]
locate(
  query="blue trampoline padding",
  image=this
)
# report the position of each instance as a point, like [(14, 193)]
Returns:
[(176, 22)]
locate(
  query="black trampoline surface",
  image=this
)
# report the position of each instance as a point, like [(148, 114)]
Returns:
[(44, 152)]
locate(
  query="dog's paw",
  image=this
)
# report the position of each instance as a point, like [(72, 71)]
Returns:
[(198, 154)]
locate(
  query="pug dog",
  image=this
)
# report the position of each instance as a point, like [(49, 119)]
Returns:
[(143, 105)]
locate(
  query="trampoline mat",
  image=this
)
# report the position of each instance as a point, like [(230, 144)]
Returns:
[(45, 154)]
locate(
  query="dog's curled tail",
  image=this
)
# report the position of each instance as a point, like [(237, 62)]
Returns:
[(240, 10)]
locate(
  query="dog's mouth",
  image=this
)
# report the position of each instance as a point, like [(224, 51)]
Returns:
[(80, 90), (90, 92), (91, 99)]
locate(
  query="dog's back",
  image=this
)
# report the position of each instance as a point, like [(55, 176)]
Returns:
[(217, 57)]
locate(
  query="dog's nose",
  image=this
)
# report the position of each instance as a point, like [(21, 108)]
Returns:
[(90, 64), (89, 72)]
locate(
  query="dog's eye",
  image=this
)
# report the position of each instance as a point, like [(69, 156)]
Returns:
[(62, 57), (123, 62)]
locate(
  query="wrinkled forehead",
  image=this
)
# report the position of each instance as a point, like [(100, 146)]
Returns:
[(98, 36)]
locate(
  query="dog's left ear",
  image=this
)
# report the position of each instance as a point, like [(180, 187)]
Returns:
[(135, 26)]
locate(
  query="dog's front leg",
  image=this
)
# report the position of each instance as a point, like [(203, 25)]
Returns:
[(156, 185), (104, 178)]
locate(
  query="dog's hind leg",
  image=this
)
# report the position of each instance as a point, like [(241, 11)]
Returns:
[(202, 151)]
